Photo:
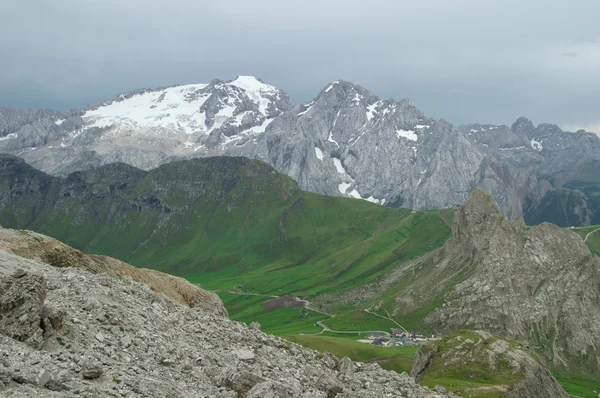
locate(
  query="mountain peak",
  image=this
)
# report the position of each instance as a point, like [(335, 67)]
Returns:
[(473, 221), (522, 126), (252, 84)]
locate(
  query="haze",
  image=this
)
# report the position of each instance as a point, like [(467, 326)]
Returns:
[(464, 61)]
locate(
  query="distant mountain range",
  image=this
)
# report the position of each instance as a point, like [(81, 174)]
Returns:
[(345, 142)]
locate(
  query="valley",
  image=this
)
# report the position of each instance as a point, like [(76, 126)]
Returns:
[(237, 228), (316, 199)]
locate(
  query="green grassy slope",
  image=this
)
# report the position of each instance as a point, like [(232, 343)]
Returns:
[(222, 222), (399, 359), (593, 240)]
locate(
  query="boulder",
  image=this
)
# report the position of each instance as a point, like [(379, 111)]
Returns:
[(21, 303), (91, 369)]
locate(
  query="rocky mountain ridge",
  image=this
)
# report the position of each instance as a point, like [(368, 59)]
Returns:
[(565, 159), (346, 142), (538, 285)]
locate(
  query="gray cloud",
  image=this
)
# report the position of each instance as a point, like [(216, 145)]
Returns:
[(463, 61), (569, 54)]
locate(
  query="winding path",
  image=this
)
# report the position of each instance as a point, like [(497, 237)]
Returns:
[(589, 233), (327, 329), (320, 323)]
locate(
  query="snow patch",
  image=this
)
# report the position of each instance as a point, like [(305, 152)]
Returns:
[(59, 122), (372, 199), (371, 110), (408, 134), (421, 126), (343, 187), (330, 139), (338, 166), (354, 194), (9, 136), (255, 90), (258, 129), (537, 145), (175, 108), (328, 88), (319, 153)]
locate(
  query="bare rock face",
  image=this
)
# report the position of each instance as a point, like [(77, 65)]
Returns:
[(91, 369), (504, 368), (512, 188), (539, 285), (21, 305)]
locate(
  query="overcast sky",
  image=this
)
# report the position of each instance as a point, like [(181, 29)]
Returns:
[(461, 60)]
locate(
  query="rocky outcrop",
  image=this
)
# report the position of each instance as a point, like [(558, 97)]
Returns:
[(514, 190), (504, 368), (566, 159), (538, 285), (35, 246), (22, 298), (120, 337)]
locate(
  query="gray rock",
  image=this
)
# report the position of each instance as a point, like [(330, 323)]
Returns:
[(330, 360), (346, 366), (313, 393), (126, 341), (239, 381), (245, 355), (91, 304), (44, 377), (21, 303), (330, 385), (270, 389), (53, 318), (91, 369), (254, 326)]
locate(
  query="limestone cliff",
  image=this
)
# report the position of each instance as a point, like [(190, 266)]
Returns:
[(539, 285)]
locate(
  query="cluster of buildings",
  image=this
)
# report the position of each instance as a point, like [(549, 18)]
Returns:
[(398, 338)]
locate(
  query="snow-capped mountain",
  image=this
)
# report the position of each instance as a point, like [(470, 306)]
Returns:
[(345, 142)]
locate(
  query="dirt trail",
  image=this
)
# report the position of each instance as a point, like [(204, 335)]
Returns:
[(590, 233), (327, 329)]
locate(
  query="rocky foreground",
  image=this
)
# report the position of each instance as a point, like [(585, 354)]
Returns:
[(66, 331)]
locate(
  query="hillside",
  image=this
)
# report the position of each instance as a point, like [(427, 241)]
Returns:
[(477, 364), (591, 237), (69, 332), (220, 222)]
